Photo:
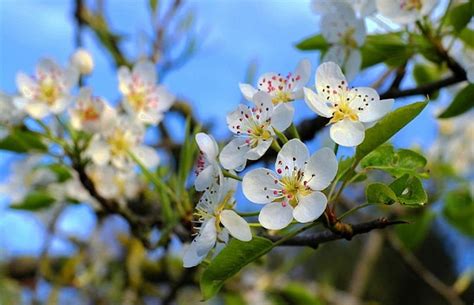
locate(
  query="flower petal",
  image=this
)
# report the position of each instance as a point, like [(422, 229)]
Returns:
[(233, 155), (352, 64), (375, 111), (247, 91), (99, 151), (258, 151), (276, 216), (316, 104), (310, 207), (292, 156), (145, 70), (236, 225), (205, 178), (260, 185), (124, 79), (282, 116), (347, 132), (207, 237), (301, 75), (320, 169), (330, 81), (26, 85), (36, 109), (191, 258), (147, 155), (207, 145)]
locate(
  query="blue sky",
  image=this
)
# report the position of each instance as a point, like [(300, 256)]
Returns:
[(235, 32)]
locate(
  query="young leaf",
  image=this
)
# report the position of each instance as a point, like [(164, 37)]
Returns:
[(409, 191), (380, 193), (22, 141), (387, 127), (461, 103), (460, 15), (316, 42), (390, 48), (459, 210), (34, 201), (236, 255)]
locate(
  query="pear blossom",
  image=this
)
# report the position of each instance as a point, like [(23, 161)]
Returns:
[(294, 190), (282, 89), (363, 8), (208, 170), (254, 130), (48, 91), (405, 11), (83, 61), (143, 98), (215, 208), (348, 108), (346, 34), (115, 144), (91, 113)]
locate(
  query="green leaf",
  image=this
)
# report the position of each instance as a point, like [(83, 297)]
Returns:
[(460, 15), (420, 224), (409, 191), (236, 255), (34, 201), (467, 36), (380, 193), (390, 48), (427, 73), (458, 210), (387, 127), (316, 42), (463, 102), (62, 172), (22, 141)]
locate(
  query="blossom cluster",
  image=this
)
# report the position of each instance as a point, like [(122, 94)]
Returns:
[(293, 191)]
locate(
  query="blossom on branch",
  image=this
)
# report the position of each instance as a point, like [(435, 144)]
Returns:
[(405, 11), (348, 108), (294, 190), (208, 169)]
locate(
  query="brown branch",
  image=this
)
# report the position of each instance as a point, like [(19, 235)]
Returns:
[(315, 239)]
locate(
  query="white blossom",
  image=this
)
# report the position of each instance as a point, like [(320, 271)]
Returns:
[(347, 108), (143, 98), (9, 114), (208, 170), (293, 191), (83, 61), (215, 208), (91, 113), (405, 11), (254, 129), (48, 91), (115, 144), (282, 89)]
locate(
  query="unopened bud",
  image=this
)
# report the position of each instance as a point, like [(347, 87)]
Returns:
[(83, 61)]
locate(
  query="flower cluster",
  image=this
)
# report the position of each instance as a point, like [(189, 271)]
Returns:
[(294, 190)]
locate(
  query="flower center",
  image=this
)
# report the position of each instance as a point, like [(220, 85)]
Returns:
[(90, 114), (292, 187), (343, 110), (281, 97), (408, 5), (348, 38), (137, 99), (119, 143), (48, 92)]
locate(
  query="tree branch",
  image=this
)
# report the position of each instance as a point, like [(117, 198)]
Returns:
[(315, 239)]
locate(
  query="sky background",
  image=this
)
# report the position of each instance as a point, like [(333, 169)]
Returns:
[(235, 33)]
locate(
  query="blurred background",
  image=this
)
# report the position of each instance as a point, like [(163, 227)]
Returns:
[(212, 46)]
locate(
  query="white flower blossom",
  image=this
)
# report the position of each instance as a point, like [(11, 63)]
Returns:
[(143, 98), (9, 114), (347, 108), (346, 34), (282, 89), (48, 91), (91, 113), (253, 127), (294, 190), (82, 60), (208, 170), (405, 11), (115, 144), (215, 208)]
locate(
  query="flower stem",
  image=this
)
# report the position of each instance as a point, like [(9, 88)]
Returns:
[(336, 148), (230, 175), (294, 132), (276, 146), (248, 214), (280, 135), (355, 209)]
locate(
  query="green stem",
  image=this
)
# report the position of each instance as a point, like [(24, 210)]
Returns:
[(230, 175), (280, 135), (294, 132), (336, 148), (355, 209), (248, 214), (255, 225), (276, 146)]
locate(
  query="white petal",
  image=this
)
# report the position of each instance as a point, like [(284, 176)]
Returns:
[(292, 156), (165, 98), (282, 116), (191, 258), (275, 216), (207, 237), (147, 155), (336, 54), (99, 151), (393, 10), (233, 154), (145, 70), (316, 104), (329, 78), (310, 207), (320, 169), (247, 91), (259, 185), (36, 109), (352, 64), (60, 104), (258, 151), (376, 110), (236, 225), (124, 79), (207, 145), (301, 75), (205, 178), (347, 132), (46, 66), (70, 77), (26, 85)]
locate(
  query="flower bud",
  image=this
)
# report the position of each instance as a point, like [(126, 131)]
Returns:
[(83, 61)]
